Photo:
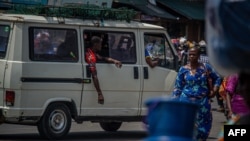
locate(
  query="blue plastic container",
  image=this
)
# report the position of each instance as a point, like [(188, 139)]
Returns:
[(170, 120)]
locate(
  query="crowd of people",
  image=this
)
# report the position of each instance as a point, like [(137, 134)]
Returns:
[(193, 85), (232, 86), (182, 45), (228, 88), (198, 82)]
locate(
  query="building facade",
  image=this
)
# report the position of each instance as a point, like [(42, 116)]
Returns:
[(180, 17)]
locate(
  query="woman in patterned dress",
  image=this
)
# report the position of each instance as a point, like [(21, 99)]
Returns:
[(192, 85)]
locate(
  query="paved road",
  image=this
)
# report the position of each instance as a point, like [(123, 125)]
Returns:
[(79, 132), (92, 131), (218, 121)]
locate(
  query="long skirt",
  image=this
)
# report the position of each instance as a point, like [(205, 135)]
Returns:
[(204, 116)]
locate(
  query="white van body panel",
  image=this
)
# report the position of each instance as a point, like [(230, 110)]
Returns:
[(33, 97), (3, 66)]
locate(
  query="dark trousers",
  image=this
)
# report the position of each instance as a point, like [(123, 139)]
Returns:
[(219, 100)]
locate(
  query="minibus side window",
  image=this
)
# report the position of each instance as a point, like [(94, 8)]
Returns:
[(4, 37), (158, 47), (117, 45), (55, 45)]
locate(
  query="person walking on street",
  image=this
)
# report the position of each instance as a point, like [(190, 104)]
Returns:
[(223, 94), (192, 86), (204, 59), (235, 102), (184, 53), (238, 87)]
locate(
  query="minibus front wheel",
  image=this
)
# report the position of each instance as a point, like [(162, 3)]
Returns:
[(56, 121)]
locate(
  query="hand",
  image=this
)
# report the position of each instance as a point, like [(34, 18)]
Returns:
[(156, 59), (211, 94), (100, 98), (230, 114), (174, 97), (118, 64)]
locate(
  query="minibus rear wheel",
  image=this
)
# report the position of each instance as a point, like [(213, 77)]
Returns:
[(56, 121), (110, 126)]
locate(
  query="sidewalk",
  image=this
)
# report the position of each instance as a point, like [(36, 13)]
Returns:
[(218, 121)]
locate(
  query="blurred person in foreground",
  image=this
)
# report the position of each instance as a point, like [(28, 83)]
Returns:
[(228, 31), (192, 85), (235, 102), (242, 118)]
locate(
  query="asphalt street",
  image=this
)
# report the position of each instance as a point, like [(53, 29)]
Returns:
[(218, 121), (92, 131)]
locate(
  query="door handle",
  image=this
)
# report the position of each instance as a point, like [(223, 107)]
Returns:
[(136, 73), (145, 72)]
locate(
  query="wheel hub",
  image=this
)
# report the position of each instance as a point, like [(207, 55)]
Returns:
[(58, 121)]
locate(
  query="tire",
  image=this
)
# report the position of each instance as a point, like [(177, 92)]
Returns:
[(56, 122), (110, 126)]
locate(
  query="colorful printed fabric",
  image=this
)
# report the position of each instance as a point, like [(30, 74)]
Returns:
[(193, 87), (90, 58), (222, 89), (237, 101)]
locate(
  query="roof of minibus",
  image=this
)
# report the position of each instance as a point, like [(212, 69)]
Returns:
[(76, 21)]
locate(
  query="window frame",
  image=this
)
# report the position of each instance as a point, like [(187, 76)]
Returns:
[(5, 47), (55, 58), (99, 33), (164, 62)]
